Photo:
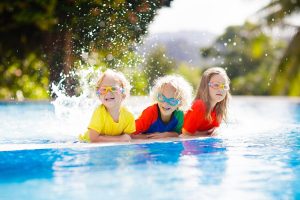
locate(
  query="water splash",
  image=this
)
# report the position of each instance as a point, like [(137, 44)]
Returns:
[(74, 111)]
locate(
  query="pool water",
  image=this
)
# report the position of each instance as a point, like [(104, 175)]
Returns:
[(254, 156)]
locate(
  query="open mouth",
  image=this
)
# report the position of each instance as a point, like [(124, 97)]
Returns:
[(109, 99), (220, 95), (165, 109)]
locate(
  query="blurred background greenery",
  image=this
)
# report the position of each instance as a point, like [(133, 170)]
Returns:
[(42, 40)]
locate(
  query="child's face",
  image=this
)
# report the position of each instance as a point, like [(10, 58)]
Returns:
[(110, 92), (165, 108), (218, 88)]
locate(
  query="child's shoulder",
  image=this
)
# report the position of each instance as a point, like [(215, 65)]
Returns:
[(125, 111), (152, 108), (100, 108), (150, 113), (198, 105), (178, 114)]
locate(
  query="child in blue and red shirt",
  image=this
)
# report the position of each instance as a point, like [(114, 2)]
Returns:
[(171, 95)]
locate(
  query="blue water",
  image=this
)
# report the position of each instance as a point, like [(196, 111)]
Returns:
[(255, 156)]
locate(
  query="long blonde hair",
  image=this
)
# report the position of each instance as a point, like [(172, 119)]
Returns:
[(203, 94)]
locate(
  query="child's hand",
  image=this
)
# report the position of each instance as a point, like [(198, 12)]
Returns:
[(155, 135), (184, 135), (139, 136), (125, 138), (211, 131), (162, 135)]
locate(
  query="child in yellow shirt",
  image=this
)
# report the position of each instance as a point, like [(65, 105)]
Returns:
[(111, 122)]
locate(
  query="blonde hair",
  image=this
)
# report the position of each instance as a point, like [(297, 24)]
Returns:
[(182, 87), (119, 77), (203, 93)]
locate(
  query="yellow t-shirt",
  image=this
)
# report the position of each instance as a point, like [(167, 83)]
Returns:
[(103, 123)]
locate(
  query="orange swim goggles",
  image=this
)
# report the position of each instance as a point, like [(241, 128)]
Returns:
[(219, 86), (105, 89)]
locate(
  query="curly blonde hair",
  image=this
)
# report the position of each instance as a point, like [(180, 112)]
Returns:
[(119, 77), (182, 87)]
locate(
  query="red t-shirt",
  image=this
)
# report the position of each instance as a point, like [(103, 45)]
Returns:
[(148, 117), (194, 119)]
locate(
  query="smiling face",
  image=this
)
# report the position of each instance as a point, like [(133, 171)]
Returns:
[(110, 92), (217, 94), (168, 91)]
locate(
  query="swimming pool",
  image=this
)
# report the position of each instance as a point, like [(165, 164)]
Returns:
[(255, 156)]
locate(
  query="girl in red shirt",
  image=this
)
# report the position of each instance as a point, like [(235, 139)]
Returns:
[(210, 104)]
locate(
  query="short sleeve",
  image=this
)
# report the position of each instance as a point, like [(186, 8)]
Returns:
[(130, 128), (97, 120), (193, 117), (179, 116), (145, 120)]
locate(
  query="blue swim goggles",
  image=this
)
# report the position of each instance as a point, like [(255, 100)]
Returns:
[(171, 101)]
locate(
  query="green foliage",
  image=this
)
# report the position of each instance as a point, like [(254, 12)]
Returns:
[(157, 64), (24, 79), (139, 83), (287, 73), (58, 32), (277, 10), (190, 73), (130, 66), (249, 56)]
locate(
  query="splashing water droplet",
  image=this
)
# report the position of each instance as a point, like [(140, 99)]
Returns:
[(109, 57)]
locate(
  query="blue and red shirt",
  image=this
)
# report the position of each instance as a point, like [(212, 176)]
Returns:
[(150, 121)]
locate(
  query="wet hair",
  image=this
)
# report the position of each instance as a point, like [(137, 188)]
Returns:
[(182, 87), (203, 93), (119, 77)]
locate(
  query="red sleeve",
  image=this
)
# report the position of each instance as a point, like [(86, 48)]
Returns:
[(194, 117), (145, 120)]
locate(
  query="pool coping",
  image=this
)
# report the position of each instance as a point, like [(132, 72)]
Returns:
[(80, 145)]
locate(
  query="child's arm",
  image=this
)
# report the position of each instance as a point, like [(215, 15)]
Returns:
[(139, 136), (96, 137), (145, 120), (186, 134), (162, 135)]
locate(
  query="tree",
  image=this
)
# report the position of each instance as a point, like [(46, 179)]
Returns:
[(288, 70), (57, 32), (157, 64), (249, 57)]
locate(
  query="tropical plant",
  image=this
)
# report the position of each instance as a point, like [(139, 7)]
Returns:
[(287, 77), (249, 56), (157, 64), (59, 32)]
